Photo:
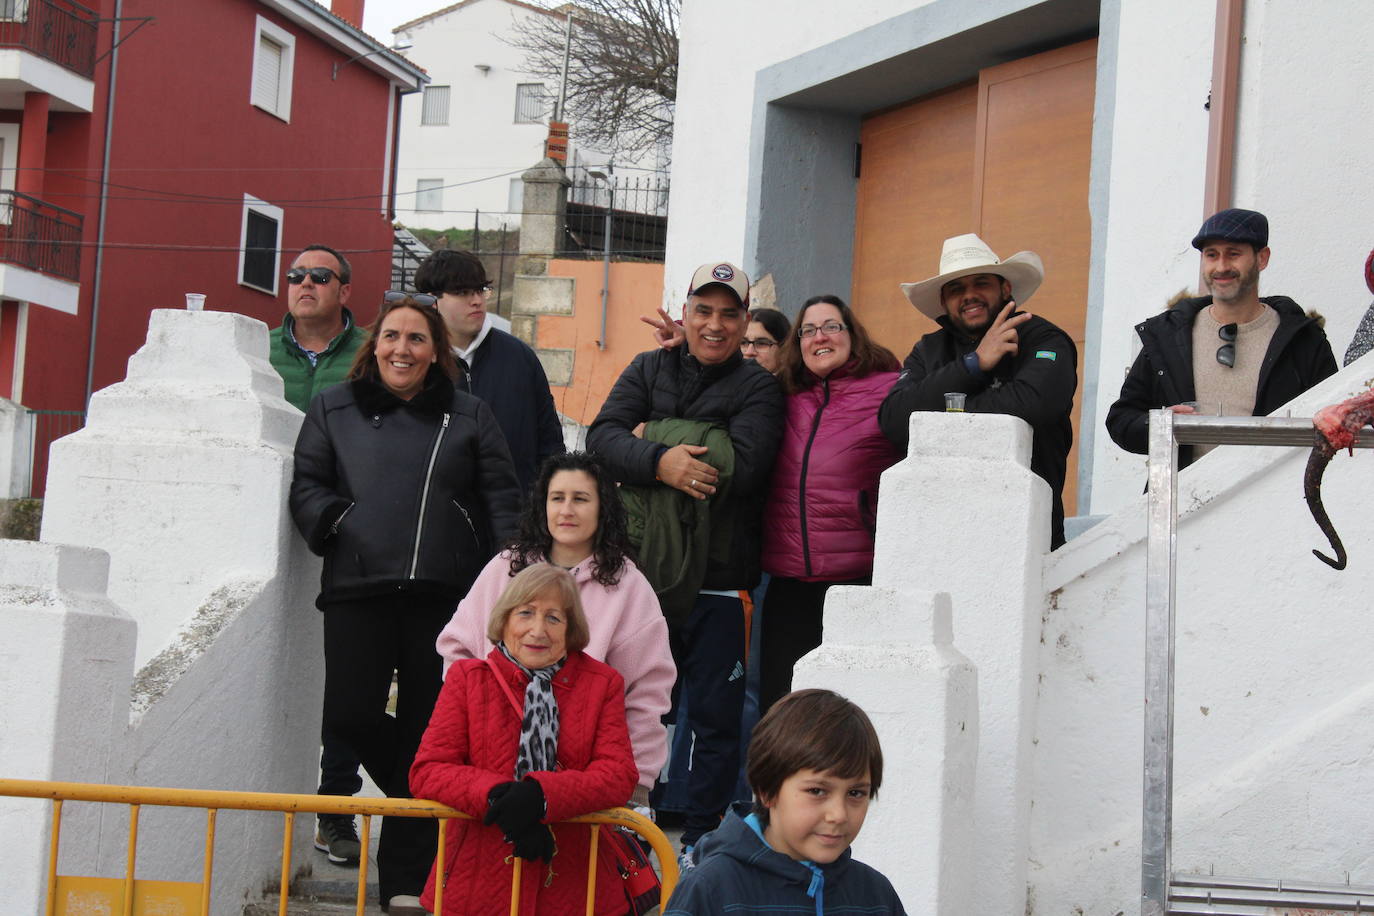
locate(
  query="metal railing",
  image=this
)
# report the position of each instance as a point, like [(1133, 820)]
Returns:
[(39, 235), (45, 428), (62, 31), (1161, 891), (213, 802), (625, 217)]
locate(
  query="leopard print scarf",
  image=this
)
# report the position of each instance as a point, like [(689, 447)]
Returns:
[(539, 725)]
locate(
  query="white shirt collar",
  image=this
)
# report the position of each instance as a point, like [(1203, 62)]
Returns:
[(466, 355)]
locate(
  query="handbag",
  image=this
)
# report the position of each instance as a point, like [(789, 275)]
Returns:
[(641, 883)]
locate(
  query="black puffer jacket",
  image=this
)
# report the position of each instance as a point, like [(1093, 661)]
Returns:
[(1298, 357), (401, 495), (738, 394)]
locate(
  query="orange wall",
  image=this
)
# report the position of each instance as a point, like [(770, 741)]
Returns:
[(636, 289)]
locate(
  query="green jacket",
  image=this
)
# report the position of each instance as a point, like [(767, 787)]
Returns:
[(303, 381), (675, 536)]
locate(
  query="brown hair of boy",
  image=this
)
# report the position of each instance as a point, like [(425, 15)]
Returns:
[(812, 730)]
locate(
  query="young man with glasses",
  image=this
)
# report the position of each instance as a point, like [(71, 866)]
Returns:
[(312, 350), (1232, 353), (497, 367), (315, 344), (1002, 359)]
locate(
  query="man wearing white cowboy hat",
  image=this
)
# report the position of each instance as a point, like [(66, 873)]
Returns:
[(1003, 360)]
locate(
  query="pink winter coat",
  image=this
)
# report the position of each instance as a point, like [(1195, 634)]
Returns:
[(470, 746), (822, 506), (628, 633)]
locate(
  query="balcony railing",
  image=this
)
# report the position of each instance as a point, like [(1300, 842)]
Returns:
[(38, 235), (62, 31)]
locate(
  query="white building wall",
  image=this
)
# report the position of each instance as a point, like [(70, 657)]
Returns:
[(482, 150), (715, 107)]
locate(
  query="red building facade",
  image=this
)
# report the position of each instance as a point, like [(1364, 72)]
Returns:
[(212, 143)]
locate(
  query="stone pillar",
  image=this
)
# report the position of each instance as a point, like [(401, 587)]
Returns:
[(543, 215), (963, 514), (16, 450), (65, 667), (890, 650)]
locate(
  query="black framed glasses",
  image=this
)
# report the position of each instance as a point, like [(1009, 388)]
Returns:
[(1226, 353), (758, 343), (830, 327), (320, 276), (394, 296), (472, 291)]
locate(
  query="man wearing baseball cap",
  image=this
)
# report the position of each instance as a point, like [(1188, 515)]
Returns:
[(1231, 353), (1003, 360), (703, 391)]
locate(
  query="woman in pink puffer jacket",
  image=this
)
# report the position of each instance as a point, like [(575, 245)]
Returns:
[(821, 514)]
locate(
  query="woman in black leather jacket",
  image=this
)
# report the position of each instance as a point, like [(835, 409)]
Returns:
[(405, 486)]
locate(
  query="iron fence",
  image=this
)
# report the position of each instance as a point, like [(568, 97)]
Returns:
[(39, 235), (627, 217), (62, 31), (45, 428)]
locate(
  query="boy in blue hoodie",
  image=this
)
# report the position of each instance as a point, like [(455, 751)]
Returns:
[(814, 766)]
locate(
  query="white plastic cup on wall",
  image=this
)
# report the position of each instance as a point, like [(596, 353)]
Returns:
[(195, 302)]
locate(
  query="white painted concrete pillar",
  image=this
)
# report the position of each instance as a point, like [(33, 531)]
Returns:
[(963, 514), (16, 449), (181, 471), (65, 665), (890, 650)]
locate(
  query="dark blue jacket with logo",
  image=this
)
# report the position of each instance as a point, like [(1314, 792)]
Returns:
[(738, 873)]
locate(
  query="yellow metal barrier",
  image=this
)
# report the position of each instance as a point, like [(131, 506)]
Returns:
[(130, 896)]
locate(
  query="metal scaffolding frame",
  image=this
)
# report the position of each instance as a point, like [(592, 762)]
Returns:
[(1195, 894)]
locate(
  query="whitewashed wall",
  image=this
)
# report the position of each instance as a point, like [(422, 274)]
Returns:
[(200, 664), (1275, 699), (481, 150)]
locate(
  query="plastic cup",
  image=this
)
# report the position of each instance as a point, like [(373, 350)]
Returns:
[(954, 401), (195, 302)]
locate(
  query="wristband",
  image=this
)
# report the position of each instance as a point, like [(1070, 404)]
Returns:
[(970, 361)]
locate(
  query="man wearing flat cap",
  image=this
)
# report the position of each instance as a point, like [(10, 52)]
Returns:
[(1232, 353), (1004, 360)]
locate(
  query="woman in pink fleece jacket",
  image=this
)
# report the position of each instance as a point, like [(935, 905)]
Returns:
[(574, 519)]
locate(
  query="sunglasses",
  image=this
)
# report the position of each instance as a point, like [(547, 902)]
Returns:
[(320, 276), (1226, 353), (394, 296)]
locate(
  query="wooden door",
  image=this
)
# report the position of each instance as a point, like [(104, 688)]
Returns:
[(1008, 159)]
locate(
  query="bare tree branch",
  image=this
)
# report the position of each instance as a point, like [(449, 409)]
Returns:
[(622, 69)]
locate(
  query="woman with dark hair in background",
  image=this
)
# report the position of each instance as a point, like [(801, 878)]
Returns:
[(403, 484), (821, 516), (765, 325), (575, 520)]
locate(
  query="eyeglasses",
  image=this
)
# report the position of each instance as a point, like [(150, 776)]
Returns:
[(1226, 353), (830, 327), (393, 296), (758, 343), (471, 291), (319, 275)]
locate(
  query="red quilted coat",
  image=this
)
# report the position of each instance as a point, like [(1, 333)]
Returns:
[(822, 506), (470, 746)]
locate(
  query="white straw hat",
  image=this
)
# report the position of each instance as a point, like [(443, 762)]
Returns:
[(965, 255)]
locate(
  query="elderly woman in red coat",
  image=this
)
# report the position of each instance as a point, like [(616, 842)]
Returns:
[(822, 510), (532, 734)]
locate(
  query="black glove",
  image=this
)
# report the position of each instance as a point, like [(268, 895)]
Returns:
[(513, 806), (534, 842)]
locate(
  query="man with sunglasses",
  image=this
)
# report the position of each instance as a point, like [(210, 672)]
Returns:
[(1233, 352), (499, 368), (312, 350), (315, 344)]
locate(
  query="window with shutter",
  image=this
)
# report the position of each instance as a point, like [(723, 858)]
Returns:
[(429, 194), (273, 63), (434, 109), (531, 103)]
